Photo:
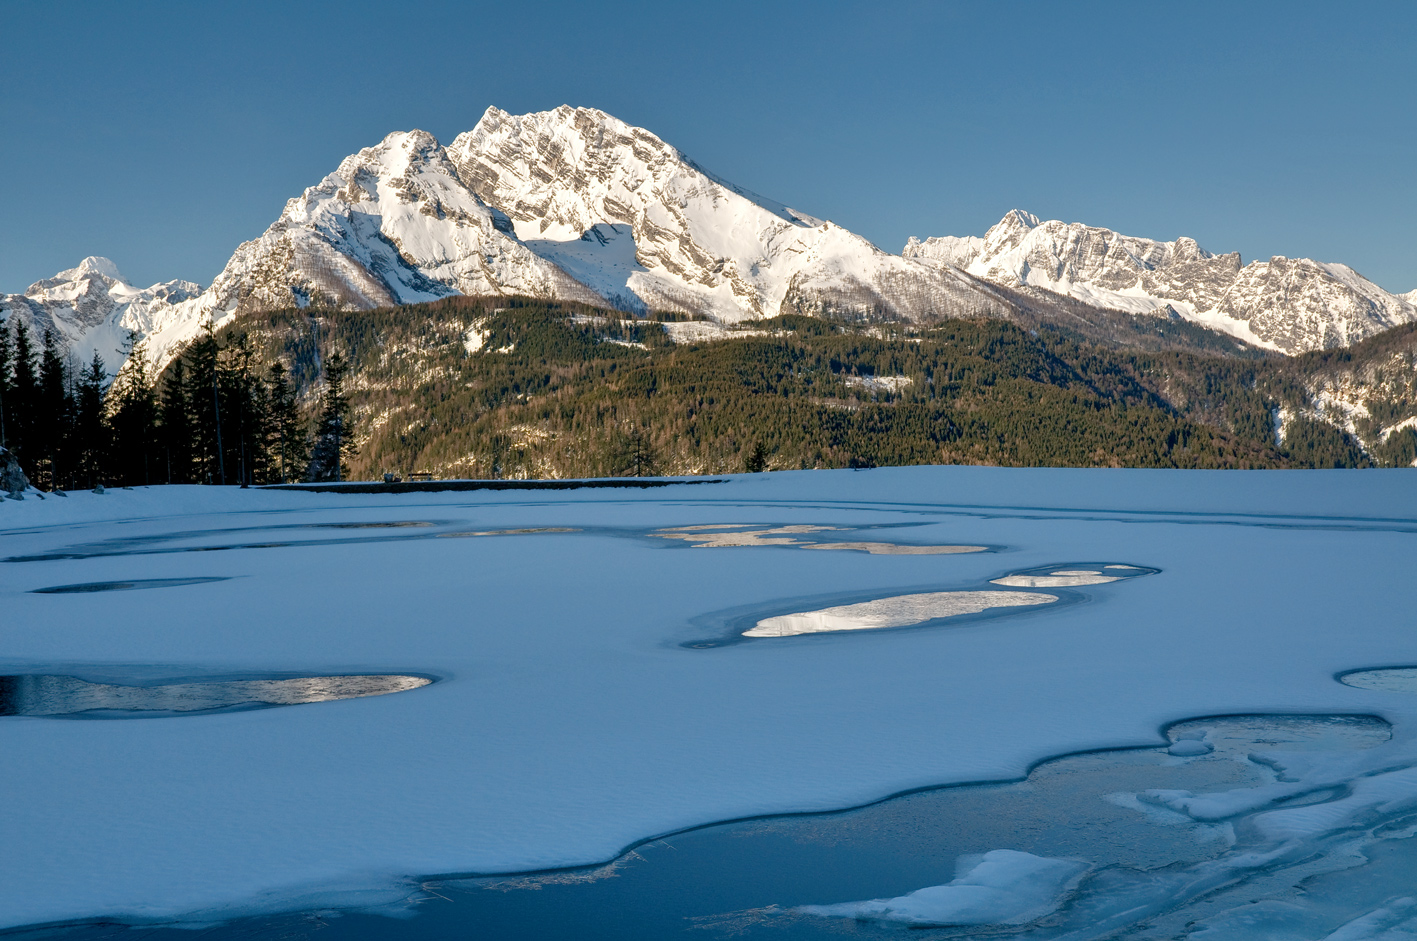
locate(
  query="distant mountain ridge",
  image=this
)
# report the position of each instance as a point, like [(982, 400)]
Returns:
[(573, 204), (92, 308), (1287, 304)]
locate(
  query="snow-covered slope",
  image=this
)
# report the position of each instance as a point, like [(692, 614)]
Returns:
[(1287, 304), (92, 308), (569, 177), (392, 225)]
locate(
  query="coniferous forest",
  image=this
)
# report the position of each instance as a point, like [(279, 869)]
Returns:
[(492, 387), (214, 416)]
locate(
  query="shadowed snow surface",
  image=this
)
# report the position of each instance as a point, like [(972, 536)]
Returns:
[(569, 722)]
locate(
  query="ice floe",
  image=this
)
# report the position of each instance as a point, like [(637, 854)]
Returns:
[(1001, 887), (1394, 679), (1072, 575), (897, 611), (731, 535), (31, 694)]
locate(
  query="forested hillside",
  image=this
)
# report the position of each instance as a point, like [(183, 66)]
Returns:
[(520, 388)]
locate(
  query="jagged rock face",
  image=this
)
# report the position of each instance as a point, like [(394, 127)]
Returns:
[(92, 308), (569, 178), (1292, 305)]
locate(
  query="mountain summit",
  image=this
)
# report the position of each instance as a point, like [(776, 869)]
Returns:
[(697, 243), (575, 204)]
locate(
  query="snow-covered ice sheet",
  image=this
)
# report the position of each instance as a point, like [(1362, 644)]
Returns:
[(569, 721), (1001, 887)]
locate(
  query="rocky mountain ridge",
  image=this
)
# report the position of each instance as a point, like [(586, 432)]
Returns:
[(573, 204), (1291, 305), (91, 308), (684, 240)]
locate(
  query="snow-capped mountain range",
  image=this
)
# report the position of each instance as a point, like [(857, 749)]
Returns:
[(92, 307), (1286, 304), (574, 204)]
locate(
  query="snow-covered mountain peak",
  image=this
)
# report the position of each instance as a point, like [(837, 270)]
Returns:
[(701, 244), (393, 224), (91, 308), (1285, 304), (1014, 221), (94, 264)]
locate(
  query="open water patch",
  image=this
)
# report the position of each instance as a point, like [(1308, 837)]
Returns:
[(58, 696), (134, 584)]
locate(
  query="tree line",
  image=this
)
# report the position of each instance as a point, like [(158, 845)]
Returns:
[(215, 415)]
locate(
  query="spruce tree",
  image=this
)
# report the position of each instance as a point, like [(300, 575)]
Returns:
[(53, 414), (290, 445), (334, 435), (7, 358), (89, 451), (24, 396), (176, 432), (132, 417), (208, 411)]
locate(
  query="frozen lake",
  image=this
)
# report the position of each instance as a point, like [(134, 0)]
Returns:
[(609, 666)]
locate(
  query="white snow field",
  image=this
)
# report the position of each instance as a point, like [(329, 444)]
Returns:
[(572, 716)]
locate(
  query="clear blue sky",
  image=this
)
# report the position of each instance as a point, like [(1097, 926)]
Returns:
[(163, 134)]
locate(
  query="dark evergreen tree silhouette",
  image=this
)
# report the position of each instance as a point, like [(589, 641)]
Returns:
[(52, 417), (207, 412), (176, 435), (290, 445), (757, 460), (133, 416), (7, 388), (89, 446), (334, 434)]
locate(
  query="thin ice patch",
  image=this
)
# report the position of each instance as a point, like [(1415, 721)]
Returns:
[(51, 696), (1072, 575), (898, 611)]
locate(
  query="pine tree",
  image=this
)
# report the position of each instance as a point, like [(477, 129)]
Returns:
[(132, 418), (53, 414), (245, 413), (7, 358), (290, 445), (90, 454), (208, 411), (757, 460), (334, 435), (24, 396), (176, 433)]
